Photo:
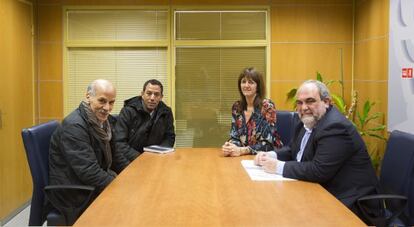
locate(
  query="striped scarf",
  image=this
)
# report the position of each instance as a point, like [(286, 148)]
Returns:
[(101, 131)]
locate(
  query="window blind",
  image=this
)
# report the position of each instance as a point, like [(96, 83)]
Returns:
[(207, 69), (115, 25), (127, 69), (221, 25), (206, 88)]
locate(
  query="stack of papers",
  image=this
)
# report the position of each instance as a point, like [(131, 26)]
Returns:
[(159, 149), (257, 173)]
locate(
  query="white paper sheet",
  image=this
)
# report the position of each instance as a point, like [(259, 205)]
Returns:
[(256, 173)]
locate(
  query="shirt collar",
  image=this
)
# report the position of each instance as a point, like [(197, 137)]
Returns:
[(146, 110), (308, 130)]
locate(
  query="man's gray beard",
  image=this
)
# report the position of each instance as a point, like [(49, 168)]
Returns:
[(309, 121)]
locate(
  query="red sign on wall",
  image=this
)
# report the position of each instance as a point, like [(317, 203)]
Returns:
[(407, 72)]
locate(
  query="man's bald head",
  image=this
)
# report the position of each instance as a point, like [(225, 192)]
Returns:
[(99, 84), (101, 96)]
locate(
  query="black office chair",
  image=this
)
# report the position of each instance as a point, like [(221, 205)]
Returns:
[(285, 125), (36, 142), (396, 206)]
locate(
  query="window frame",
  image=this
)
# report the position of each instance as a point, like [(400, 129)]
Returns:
[(67, 44), (170, 43), (219, 43)]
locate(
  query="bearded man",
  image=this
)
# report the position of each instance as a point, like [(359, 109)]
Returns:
[(326, 148)]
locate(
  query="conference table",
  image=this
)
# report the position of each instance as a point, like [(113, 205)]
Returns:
[(200, 187)]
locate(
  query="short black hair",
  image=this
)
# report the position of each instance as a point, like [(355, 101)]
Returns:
[(154, 82)]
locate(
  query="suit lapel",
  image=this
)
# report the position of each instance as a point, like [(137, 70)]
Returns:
[(296, 144)]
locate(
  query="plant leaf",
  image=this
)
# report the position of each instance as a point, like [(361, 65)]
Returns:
[(319, 76), (356, 126), (339, 103), (360, 121), (373, 117), (376, 136), (291, 94), (378, 128), (329, 82), (367, 108)]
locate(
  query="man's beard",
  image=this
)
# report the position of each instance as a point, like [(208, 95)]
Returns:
[(309, 120)]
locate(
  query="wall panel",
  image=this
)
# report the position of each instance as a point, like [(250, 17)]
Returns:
[(50, 66), (372, 61), (371, 53), (309, 36), (311, 23), (50, 71), (50, 100), (372, 19), (16, 103)]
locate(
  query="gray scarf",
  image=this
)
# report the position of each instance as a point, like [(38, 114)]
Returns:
[(101, 131)]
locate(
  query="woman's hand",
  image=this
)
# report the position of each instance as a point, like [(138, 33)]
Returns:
[(230, 149)]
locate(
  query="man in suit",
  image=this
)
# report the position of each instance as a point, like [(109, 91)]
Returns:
[(143, 121), (326, 149)]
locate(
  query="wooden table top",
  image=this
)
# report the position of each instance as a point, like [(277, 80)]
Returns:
[(200, 187)]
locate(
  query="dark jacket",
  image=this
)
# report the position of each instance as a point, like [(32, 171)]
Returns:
[(76, 158), (135, 128), (335, 156)]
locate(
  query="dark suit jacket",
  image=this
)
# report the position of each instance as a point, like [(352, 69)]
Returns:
[(335, 156)]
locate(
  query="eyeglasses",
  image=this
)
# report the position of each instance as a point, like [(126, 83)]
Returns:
[(308, 102)]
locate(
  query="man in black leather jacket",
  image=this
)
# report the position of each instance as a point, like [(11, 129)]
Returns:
[(143, 121), (82, 151)]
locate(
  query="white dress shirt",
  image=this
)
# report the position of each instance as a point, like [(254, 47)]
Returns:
[(305, 138)]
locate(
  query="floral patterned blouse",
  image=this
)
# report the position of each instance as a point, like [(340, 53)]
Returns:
[(259, 132)]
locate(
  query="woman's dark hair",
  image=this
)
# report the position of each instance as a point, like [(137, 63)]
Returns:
[(251, 73)]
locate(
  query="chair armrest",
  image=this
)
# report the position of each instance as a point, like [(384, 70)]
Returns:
[(383, 196), (382, 209), (69, 200), (69, 187)]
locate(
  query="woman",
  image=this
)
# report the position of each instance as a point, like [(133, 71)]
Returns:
[(253, 125)]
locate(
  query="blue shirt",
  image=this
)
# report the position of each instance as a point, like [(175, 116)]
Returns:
[(305, 138)]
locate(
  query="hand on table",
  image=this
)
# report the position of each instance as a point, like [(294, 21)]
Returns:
[(268, 163), (230, 149)]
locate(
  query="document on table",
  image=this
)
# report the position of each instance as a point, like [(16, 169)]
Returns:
[(256, 173)]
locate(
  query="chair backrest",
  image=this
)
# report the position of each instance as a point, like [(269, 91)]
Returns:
[(36, 142), (397, 171), (285, 124)]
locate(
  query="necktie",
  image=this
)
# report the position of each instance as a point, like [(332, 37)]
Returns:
[(303, 143)]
